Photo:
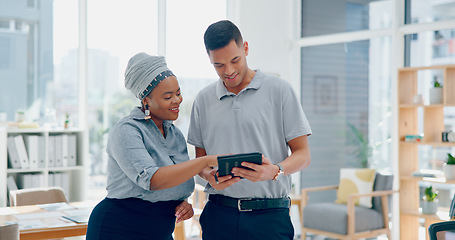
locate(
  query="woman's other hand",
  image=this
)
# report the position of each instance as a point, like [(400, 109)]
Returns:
[(183, 212)]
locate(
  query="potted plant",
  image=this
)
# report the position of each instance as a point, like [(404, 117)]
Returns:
[(436, 92), (449, 167), (430, 202)]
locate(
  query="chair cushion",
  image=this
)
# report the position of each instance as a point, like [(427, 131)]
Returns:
[(333, 217), (382, 182), (356, 180)]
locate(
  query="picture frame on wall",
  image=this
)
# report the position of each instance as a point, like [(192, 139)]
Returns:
[(325, 94)]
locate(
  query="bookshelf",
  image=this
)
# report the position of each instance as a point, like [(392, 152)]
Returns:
[(70, 174), (416, 118)]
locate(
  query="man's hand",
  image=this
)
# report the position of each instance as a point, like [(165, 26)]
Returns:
[(223, 182), (183, 212), (266, 171)]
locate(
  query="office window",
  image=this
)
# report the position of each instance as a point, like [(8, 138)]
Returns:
[(344, 16), (32, 4), (424, 11), (346, 89), (4, 24), (62, 93), (33, 45), (185, 50), (125, 28), (346, 97), (113, 40), (430, 48)]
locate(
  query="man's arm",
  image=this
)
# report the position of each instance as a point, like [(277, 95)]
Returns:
[(299, 159), (208, 174)]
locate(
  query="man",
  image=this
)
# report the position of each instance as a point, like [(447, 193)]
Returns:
[(247, 111)]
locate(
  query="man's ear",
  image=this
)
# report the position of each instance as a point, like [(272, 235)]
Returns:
[(245, 47)]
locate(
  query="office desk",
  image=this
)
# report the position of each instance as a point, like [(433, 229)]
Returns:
[(55, 225)]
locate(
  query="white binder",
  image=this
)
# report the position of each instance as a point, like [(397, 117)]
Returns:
[(72, 144), (58, 151), (26, 180), (41, 152), (65, 150), (21, 151), (51, 151), (31, 143), (37, 180), (12, 152), (11, 183)]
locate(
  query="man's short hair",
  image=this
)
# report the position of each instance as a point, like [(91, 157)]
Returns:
[(220, 34)]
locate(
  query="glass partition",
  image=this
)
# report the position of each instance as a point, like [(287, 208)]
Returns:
[(340, 16)]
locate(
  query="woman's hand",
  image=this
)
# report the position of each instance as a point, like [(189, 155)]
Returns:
[(183, 212), (220, 183), (212, 160)]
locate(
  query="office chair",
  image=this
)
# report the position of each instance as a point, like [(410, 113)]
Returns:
[(442, 231), (32, 196), (9, 232)]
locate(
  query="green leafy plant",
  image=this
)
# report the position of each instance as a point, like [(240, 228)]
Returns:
[(436, 83), (450, 159), (430, 194), (363, 147)]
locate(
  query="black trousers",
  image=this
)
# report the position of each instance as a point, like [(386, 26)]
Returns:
[(220, 222), (132, 218)]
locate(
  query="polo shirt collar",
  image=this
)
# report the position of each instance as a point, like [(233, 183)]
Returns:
[(256, 82)]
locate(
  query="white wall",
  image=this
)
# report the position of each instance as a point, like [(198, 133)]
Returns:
[(267, 27)]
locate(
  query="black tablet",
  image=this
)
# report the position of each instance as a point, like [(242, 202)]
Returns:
[(226, 163)]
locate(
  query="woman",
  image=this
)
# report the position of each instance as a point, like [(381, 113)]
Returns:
[(149, 175)]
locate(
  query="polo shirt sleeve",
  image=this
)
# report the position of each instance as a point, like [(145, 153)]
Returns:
[(194, 129), (126, 146), (295, 122)]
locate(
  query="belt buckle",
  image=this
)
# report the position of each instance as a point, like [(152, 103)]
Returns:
[(239, 205)]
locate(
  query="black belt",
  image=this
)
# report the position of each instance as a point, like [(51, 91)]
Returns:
[(249, 204)]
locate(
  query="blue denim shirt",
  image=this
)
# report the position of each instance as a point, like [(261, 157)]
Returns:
[(136, 150)]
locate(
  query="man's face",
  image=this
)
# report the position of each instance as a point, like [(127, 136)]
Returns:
[(230, 65)]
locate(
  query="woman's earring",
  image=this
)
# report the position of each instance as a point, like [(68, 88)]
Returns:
[(147, 112)]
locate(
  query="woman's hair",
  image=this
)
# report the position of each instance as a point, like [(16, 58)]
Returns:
[(220, 34)]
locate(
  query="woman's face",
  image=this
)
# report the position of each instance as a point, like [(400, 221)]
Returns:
[(164, 100)]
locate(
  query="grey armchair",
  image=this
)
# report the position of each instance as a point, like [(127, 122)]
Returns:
[(348, 221)]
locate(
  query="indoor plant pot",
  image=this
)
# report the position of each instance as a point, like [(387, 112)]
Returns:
[(436, 92), (449, 167), (430, 203)]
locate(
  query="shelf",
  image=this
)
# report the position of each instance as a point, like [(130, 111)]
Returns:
[(53, 169), (435, 144), (49, 175), (442, 215), (428, 120), (9, 170), (404, 105), (436, 67), (428, 179)]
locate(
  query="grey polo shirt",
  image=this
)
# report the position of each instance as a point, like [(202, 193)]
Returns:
[(136, 150), (263, 117)]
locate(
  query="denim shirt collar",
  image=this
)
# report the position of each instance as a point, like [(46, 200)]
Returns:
[(138, 115)]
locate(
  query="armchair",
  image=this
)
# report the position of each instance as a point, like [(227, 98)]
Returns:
[(349, 221)]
